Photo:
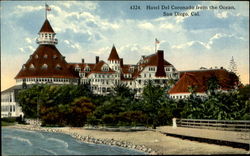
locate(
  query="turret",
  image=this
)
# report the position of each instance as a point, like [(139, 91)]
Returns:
[(46, 35), (114, 60)]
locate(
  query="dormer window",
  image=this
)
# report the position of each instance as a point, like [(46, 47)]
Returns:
[(131, 69), (23, 67), (45, 56), (54, 56), (44, 66), (36, 56), (32, 66), (87, 69), (105, 68), (77, 68), (58, 67)]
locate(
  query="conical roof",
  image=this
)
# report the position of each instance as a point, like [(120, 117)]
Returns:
[(46, 61), (46, 27), (113, 54)]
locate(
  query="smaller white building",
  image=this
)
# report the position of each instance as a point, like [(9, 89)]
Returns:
[(9, 105)]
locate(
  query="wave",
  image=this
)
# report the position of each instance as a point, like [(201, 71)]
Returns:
[(29, 131), (59, 141), (35, 133), (19, 139), (48, 151)]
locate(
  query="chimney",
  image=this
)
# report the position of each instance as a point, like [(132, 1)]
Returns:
[(160, 72), (121, 62), (96, 59), (82, 60)]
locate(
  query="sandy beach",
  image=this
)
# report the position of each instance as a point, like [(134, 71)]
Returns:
[(159, 143)]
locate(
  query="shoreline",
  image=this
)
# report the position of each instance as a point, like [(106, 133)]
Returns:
[(148, 142), (87, 139)]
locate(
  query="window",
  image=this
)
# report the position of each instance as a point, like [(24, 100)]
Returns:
[(105, 68), (54, 56), (58, 67), (23, 67), (32, 66), (44, 66), (87, 68), (36, 56), (45, 56)]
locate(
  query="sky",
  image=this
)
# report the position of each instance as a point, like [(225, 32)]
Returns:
[(86, 29)]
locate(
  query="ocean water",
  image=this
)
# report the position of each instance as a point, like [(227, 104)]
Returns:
[(24, 142)]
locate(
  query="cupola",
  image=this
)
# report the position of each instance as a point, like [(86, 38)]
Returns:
[(46, 35)]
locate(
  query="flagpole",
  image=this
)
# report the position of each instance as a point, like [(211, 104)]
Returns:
[(155, 46), (45, 11)]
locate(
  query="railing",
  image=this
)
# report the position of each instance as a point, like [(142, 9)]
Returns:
[(231, 125)]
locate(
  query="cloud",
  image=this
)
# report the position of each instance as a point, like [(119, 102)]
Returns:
[(195, 45), (27, 49), (70, 44), (224, 41), (146, 25), (28, 40), (216, 42), (20, 10), (223, 14), (166, 26)]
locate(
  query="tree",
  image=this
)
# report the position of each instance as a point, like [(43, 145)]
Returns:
[(123, 90), (80, 108), (152, 97), (212, 85), (233, 66), (28, 99)]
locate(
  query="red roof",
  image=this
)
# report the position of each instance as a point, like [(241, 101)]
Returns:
[(152, 60), (46, 61), (200, 78), (113, 54), (46, 27), (98, 68)]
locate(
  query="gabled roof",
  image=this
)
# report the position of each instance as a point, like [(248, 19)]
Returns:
[(152, 60), (186, 81), (113, 54), (98, 68), (46, 27), (226, 80), (46, 55)]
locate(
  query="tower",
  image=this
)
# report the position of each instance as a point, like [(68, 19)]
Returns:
[(114, 60), (46, 64)]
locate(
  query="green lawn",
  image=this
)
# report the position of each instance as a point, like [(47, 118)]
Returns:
[(4, 123)]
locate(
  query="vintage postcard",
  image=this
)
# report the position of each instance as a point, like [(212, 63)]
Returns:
[(132, 77)]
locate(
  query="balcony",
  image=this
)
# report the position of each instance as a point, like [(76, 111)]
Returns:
[(46, 41)]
